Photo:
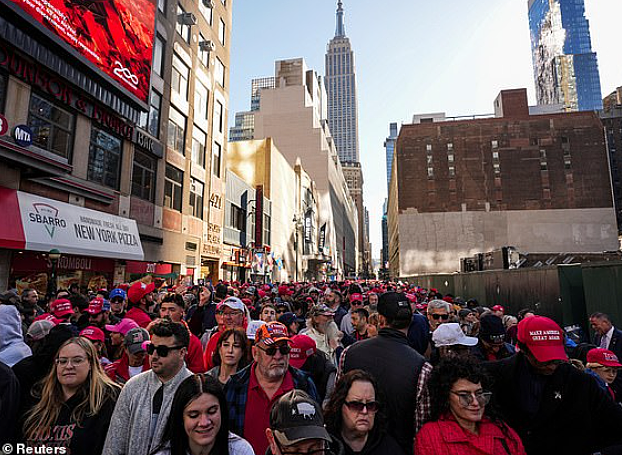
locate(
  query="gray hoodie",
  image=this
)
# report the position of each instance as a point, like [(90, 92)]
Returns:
[(12, 345)]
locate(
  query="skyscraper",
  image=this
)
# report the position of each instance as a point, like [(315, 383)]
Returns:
[(389, 145), (565, 68), (340, 83)]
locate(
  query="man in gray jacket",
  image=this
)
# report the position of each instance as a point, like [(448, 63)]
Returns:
[(144, 405)]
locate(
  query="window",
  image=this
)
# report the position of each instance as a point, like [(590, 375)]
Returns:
[(52, 127), (196, 198), (183, 30), (144, 176), (201, 100), (158, 55), (238, 218), (220, 72), (179, 78), (176, 131), (155, 104), (104, 159), (216, 157), (266, 229), (173, 186), (218, 117), (222, 32), (198, 147), (162, 5), (495, 144), (205, 11), (203, 55), (3, 84)]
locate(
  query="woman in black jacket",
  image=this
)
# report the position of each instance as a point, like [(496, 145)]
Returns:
[(354, 416)]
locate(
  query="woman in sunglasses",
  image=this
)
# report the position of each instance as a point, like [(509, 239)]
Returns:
[(198, 424), (353, 416), (76, 400), (461, 422)]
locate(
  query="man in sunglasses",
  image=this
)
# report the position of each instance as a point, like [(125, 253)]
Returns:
[(144, 404), (438, 313), (118, 299), (492, 345), (252, 391), (297, 427), (554, 407)]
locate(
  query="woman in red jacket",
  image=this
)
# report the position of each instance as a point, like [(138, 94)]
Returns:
[(461, 423)]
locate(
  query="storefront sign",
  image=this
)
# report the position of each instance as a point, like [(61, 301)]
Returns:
[(211, 241), (140, 267), (322, 236), (146, 142), (30, 261), (22, 136), (48, 224), (4, 125)]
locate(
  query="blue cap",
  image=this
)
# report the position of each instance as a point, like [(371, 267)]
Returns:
[(118, 292)]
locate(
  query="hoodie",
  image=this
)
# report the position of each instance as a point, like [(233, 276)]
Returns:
[(12, 345)]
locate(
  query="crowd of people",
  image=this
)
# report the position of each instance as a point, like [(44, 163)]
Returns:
[(354, 368)]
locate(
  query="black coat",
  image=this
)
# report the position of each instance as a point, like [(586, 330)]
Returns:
[(574, 416), (9, 404), (615, 346), (378, 443)]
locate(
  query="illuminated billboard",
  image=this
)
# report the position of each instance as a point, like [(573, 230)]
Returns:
[(114, 35)]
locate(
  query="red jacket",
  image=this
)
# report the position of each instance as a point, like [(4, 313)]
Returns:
[(194, 358), (210, 349), (139, 316), (119, 370), (446, 437)]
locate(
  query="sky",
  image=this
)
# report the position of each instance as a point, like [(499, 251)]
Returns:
[(412, 56)]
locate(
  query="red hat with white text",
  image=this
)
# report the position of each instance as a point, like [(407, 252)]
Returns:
[(543, 337)]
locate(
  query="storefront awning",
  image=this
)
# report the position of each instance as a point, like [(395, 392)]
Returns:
[(39, 224)]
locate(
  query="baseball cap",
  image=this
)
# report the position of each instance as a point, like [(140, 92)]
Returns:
[(296, 417), (38, 330), (394, 305), (117, 292), (543, 337), (251, 290), (93, 333), (232, 302), (491, 329), (303, 347), (321, 309), (138, 290), (284, 290), (287, 318), (603, 357), (451, 334), (96, 306), (124, 326), (271, 333), (252, 328), (61, 307), (134, 340), (498, 308), (356, 297)]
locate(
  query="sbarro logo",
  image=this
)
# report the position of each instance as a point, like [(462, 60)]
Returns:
[(48, 216)]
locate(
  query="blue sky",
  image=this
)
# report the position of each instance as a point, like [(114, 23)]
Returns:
[(414, 56)]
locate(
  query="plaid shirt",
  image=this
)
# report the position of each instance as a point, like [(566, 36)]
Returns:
[(236, 391)]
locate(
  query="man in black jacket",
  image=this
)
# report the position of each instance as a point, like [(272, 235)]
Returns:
[(554, 407), (9, 403), (400, 371), (608, 337)]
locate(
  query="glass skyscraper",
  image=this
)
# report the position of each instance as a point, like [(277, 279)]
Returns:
[(389, 145), (565, 68), (340, 83)]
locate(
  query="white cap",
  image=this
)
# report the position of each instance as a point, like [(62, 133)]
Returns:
[(451, 334), (252, 328), (232, 302)]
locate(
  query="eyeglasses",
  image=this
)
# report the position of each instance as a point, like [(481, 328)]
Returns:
[(230, 315), (466, 398), (162, 350), (436, 317), (283, 349), (116, 300), (66, 361), (358, 406)]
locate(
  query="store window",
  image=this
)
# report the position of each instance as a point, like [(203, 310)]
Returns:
[(158, 55), (216, 158), (104, 159), (144, 176), (176, 131), (201, 100), (52, 126), (196, 198), (198, 147), (179, 78), (219, 72), (173, 187)]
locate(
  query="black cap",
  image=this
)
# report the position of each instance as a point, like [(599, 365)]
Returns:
[(394, 306), (491, 329), (297, 417)]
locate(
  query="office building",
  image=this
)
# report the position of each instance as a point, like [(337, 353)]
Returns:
[(389, 147)]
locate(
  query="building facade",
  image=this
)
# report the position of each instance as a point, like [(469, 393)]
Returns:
[(539, 183), (612, 121), (565, 67)]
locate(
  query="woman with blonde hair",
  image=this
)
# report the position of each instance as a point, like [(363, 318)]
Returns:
[(75, 402)]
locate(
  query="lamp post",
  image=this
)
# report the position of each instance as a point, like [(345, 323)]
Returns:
[(53, 256)]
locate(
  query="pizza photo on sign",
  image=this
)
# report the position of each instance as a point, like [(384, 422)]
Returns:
[(38, 281), (98, 282)]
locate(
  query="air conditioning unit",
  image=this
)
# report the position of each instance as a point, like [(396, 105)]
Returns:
[(207, 46), (208, 3), (187, 19)]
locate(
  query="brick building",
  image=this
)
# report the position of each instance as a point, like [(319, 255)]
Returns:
[(539, 183)]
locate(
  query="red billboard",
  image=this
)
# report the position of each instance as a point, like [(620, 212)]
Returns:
[(114, 35)]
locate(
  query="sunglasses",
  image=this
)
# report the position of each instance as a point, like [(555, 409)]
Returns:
[(436, 317), (116, 300), (466, 398), (358, 406), (284, 350), (162, 350)]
